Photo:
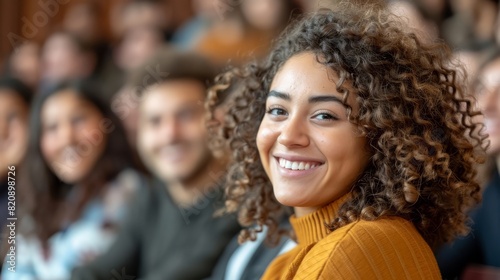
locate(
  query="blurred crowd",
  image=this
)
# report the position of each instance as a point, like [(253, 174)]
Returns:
[(86, 142)]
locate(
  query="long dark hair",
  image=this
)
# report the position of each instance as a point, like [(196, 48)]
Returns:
[(18, 87), (43, 194)]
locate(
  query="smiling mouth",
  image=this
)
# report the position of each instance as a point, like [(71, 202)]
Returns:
[(297, 165)]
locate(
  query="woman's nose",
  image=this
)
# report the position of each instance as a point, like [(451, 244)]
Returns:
[(294, 133), (67, 135)]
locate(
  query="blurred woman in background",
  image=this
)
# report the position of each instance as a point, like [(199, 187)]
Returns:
[(482, 246), (15, 99), (24, 64), (76, 180)]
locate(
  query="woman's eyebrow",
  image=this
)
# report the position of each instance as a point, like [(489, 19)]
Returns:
[(281, 95), (325, 98), (312, 99)]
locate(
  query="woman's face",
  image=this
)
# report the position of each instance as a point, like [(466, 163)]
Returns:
[(13, 128), (73, 138), (308, 148), (488, 97)]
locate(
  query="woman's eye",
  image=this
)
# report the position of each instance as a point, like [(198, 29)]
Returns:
[(325, 116), (276, 111)]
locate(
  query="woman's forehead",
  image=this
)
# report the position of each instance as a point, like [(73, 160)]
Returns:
[(302, 76)]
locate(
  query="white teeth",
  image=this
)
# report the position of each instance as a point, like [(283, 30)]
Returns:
[(296, 165), (301, 166)]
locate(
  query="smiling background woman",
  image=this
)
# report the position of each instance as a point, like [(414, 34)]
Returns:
[(74, 184), (366, 133)]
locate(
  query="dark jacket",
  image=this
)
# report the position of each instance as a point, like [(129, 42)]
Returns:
[(482, 245), (163, 241)]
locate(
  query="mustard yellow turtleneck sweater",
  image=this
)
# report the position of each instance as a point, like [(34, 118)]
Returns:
[(388, 248)]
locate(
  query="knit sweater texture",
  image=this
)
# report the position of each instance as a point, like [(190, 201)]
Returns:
[(387, 248)]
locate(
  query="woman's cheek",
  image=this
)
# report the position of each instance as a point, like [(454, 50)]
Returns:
[(266, 137)]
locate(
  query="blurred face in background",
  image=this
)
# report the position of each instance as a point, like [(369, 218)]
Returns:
[(25, 64), (137, 46), (83, 19), (140, 13), (72, 139), (264, 14), (62, 59), (172, 137), (13, 128), (488, 96), (411, 15)]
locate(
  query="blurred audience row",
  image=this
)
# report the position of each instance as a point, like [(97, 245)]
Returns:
[(114, 173)]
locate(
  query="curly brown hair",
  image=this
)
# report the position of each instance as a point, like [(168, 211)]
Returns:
[(419, 122)]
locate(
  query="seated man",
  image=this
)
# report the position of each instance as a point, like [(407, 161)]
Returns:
[(171, 232)]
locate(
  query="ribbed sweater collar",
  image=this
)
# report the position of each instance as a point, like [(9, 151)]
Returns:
[(312, 227)]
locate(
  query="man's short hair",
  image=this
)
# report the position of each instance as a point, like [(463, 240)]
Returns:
[(172, 64)]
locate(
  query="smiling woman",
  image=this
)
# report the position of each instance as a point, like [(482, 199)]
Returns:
[(74, 183), (305, 138), (71, 140), (366, 132)]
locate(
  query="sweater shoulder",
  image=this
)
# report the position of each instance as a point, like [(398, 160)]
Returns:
[(385, 232), (384, 229), (388, 248)]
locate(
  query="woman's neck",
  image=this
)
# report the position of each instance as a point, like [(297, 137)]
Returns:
[(303, 211)]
